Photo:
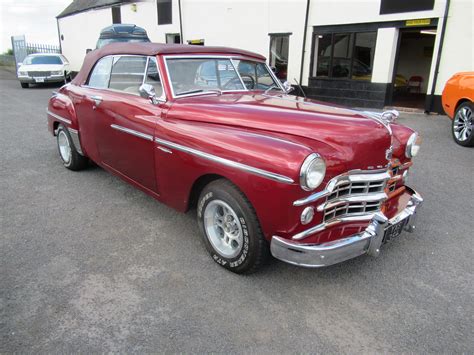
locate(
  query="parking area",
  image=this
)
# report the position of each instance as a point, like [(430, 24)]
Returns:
[(90, 264)]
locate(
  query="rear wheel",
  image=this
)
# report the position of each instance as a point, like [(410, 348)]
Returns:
[(230, 228), (463, 122), (67, 151), (24, 85)]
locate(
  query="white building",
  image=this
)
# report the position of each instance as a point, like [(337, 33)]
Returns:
[(366, 53)]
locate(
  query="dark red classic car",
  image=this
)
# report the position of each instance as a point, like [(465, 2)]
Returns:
[(213, 129)]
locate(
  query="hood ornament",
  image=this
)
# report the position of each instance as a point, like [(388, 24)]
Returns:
[(389, 153), (390, 116)]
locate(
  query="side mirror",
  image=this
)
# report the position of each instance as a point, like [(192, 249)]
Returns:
[(88, 50), (147, 91), (287, 86)]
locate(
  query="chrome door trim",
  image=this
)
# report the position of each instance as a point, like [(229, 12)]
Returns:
[(227, 162), (132, 132), (59, 118)]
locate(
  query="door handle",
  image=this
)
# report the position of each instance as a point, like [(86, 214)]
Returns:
[(97, 100)]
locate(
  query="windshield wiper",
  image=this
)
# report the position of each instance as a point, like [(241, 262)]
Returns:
[(273, 87), (219, 92)]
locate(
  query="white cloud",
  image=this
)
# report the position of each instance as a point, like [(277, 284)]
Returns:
[(36, 19)]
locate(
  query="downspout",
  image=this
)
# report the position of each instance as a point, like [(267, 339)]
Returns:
[(303, 50), (438, 58), (59, 36), (180, 23)]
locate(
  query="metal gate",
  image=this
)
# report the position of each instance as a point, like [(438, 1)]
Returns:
[(21, 48)]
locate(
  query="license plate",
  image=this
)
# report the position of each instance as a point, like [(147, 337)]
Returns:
[(394, 230), (39, 80)]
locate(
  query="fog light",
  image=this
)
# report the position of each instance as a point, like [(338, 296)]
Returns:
[(307, 215)]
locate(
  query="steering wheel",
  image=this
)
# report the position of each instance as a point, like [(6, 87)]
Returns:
[(249, 83)]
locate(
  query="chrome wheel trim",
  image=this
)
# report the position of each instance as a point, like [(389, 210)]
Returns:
[(64, 147), (462, 125), (223, 229)]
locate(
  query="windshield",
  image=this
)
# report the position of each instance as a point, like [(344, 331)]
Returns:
[(200, 75), (103, 41), (42, 59)]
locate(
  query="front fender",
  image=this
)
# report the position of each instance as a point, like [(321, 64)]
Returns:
[(177, 169)]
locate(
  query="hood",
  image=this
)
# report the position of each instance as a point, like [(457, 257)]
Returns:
[(340, 135), (41, 67)]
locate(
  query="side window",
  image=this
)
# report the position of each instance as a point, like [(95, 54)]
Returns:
[(153, 77), (127, 73), (100, 76)]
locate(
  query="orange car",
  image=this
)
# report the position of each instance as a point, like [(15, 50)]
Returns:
[(458, 103)]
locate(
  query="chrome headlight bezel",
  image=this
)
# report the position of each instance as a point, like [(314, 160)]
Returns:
[(313, 163), (413, 145), (57, 73), (22, 73)]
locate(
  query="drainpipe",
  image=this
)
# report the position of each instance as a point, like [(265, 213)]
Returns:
[(438, 58), (303, 50), (180, 23)]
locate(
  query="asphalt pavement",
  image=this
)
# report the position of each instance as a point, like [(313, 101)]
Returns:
[(90, 264)]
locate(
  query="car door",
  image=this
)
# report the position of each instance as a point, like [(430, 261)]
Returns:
[(126, 122)]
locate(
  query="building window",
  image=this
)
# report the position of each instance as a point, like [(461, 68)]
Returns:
[(344, 55), (279, 47), (397, 6), (164, 8), (173, 38), (116, 15)]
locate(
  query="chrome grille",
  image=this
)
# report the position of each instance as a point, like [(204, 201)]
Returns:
[(36, 74), (351, 208), (355, 194), (352, 188)]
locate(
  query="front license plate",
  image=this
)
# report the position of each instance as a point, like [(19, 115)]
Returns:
[(39, 80), (394, 230)]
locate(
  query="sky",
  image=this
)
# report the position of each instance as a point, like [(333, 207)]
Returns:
[(36, 19)]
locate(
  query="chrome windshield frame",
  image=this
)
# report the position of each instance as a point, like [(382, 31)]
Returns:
[(206, 56)]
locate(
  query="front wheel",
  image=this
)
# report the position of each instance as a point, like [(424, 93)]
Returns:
[(24, 85), (230, 227), (463, 122), (67, 151)]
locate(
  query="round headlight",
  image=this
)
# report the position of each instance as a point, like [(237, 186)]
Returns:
[(312, 172), (413, 145)]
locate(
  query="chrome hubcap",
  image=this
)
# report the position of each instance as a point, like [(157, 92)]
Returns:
[(223, 228), (64, 147), (463, 124)]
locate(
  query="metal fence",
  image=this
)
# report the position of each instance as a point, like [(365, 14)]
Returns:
[(21, 48), (41, 48)]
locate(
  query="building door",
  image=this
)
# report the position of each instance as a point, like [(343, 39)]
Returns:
[(413, 67), (279, 48)]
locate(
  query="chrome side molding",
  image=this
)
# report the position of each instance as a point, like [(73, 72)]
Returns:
[(59, 118), (227, 162), (132, 132)]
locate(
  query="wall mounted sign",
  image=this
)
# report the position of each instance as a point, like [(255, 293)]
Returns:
[(418, 22)]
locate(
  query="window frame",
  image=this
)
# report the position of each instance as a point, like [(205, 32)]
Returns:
[(333, 33), (275, 36), (230, 57), (161, 98)]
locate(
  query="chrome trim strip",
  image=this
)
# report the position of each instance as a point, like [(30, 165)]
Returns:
[(318, 228), (59, 118), (353, 198), (350, 176), (227, 162), (132, 132), (166, 150)]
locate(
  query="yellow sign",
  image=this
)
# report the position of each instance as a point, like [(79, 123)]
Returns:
[(419, 22)]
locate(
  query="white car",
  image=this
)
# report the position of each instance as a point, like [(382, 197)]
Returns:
[(43, 68)]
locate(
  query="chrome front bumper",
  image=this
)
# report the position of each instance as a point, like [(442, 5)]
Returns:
[(367, 242)]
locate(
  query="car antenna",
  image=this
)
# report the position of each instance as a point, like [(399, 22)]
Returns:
[(300, 87)]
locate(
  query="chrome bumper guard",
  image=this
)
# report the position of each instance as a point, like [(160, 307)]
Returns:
[(366, 242)]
